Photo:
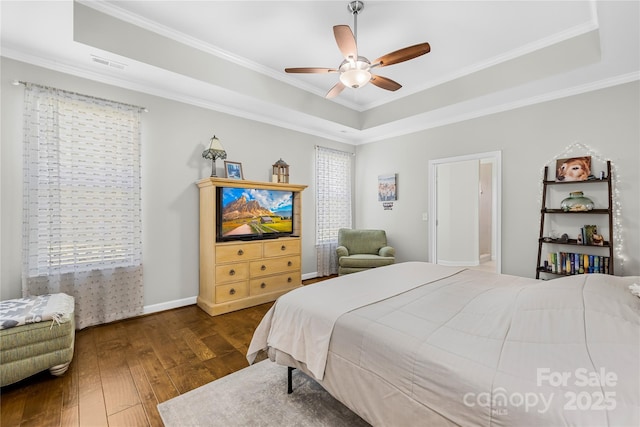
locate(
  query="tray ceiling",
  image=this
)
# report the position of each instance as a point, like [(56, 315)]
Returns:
[(230, 55)]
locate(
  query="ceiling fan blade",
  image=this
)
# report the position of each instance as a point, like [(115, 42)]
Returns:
[(402, 55), (346, 41), (335, 91), (310, 70), (385, 83)]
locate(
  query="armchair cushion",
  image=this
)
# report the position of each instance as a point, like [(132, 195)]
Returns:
[(387, 251), (365, 261)]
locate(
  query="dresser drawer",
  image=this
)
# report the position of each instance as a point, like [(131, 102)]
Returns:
[(234, 253), (264, 285), (231, 292), (281, 248), (274, 265), (232, 272)]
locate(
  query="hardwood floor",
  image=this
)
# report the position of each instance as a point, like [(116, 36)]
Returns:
[(122, 370)]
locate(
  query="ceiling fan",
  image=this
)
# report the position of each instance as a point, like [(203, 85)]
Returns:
[(355, 71)]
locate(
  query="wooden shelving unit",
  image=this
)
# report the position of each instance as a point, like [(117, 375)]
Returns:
[(586, 249)]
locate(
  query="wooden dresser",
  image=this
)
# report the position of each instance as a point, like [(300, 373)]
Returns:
[(239, 274)]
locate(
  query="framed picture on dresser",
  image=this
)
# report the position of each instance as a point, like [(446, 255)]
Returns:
[(233, 170)]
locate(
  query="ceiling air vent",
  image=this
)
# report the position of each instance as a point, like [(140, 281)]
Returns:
[(108, 62)]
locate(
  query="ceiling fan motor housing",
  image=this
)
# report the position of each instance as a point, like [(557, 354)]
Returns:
[(355, 7)]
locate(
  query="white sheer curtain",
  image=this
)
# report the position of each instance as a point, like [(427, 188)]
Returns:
[(333, 204), (82, 220)]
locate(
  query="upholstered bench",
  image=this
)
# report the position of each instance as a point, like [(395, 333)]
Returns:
[(36, 333)]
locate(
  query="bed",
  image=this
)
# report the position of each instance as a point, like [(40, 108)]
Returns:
[(422, 343)]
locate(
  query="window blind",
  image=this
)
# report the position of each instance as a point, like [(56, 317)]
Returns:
[(82, 207), (83, 183), (333, 204)]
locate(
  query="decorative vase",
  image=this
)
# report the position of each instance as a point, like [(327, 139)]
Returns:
[(576, 202)]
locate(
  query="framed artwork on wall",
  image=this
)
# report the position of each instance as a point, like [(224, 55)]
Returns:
[(234, 170), (387, 190)]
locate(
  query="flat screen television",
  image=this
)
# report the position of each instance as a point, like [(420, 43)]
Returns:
[(245, 213)]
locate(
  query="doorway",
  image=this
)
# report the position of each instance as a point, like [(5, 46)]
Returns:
[(464, 211)]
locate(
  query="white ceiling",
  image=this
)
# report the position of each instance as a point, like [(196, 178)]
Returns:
[(485, 56)]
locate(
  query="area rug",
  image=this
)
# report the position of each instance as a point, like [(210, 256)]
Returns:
[(257, 396)]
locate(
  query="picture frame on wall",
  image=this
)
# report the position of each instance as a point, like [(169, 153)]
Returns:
[(387, 188), (233, 170), (573, 169)]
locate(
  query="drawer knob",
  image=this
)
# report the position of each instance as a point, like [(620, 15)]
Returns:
[(232, 272), (289, 264), (232, 291), (240, 252), (263, 267), (289, 280), (283, 248), (263, 285)]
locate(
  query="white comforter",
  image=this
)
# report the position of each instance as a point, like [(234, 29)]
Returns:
[(301, 322), (485, 349)]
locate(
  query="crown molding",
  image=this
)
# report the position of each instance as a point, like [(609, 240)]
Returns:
[(147, 24), (80, 72), (539, 99), (400, 128), (117, 12), (559, 37)]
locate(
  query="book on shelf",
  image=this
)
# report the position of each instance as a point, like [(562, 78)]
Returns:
[(570, 263)]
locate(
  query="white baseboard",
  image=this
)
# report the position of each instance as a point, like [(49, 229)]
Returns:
[(458, 263), (148, 309), (308, 276), (169, 305)]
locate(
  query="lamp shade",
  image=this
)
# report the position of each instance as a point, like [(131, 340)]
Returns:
[(215, 151), (215, 144)]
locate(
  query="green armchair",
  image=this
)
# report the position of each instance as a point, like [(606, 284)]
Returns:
[(360, 250)]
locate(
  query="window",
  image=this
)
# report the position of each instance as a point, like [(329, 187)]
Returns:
[(333, 204), (82, 209), (83, 185)]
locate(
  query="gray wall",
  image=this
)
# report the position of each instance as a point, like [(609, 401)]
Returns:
[(174, 135), (173, 138), (607, 121)]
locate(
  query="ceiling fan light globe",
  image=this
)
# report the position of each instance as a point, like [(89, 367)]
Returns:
[(355, 74), (355, 78)]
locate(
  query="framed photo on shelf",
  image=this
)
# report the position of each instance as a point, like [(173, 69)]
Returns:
[(573, 169), (233, 170), (589, 232)]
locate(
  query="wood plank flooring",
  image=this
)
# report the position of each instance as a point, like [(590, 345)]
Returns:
[(122, 370)]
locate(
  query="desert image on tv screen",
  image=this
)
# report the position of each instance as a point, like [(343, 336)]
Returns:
[(248, 211)]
